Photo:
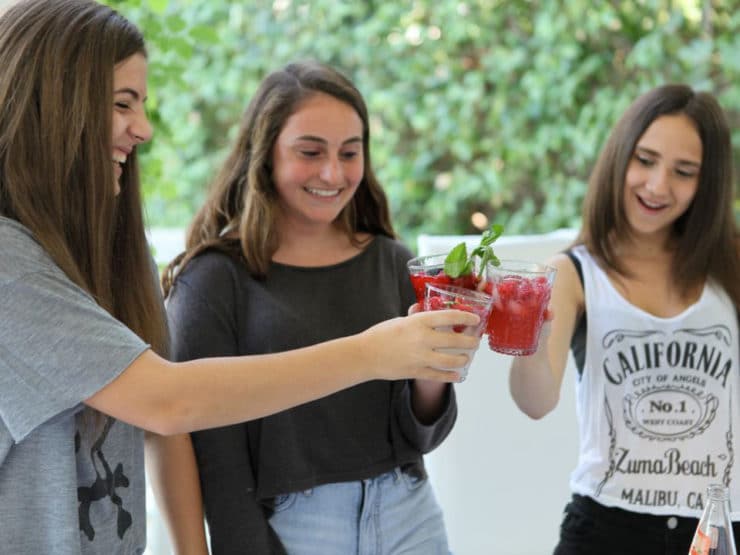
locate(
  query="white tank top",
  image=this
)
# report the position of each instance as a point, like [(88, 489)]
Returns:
[(658, 401)]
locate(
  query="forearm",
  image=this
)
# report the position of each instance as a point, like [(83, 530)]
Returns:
[(170, 398), (212, 392), (535, 380), (244, 389), (534, 386), (173, 476), (427, 400)]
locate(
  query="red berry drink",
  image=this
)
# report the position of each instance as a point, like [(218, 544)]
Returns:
[(430, 269), (521, 293), (420, 280)]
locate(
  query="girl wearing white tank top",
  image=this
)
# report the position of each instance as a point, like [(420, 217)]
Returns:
[(647, 299)]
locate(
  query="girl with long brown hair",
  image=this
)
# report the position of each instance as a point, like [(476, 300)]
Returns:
[(647, 299), (82, 327), (294, 246)]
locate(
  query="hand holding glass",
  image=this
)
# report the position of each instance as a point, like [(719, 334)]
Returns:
[(443, 297)]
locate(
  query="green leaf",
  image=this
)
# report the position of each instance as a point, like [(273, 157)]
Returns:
[(176, 24), (456, 262), (204, 34), (158, 6), (459, 264)]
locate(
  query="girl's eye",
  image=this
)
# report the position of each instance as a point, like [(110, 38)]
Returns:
[(310, 153), (644, 160), (349, 155), (122, 105), (685, 173)]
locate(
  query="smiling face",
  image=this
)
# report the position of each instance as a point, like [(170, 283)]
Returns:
[(662, 176), (318, 161), (130, 124)]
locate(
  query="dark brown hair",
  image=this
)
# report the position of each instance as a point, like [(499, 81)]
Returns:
[(56, 173), (242, 199), (705, 236)]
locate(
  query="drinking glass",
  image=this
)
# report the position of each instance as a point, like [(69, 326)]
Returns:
[(430, 269), (444, 296), (521, 292)]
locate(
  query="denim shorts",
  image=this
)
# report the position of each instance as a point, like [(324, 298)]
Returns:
[(392, 514), (590, 528)]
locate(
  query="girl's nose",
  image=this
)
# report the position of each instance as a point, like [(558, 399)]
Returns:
[(658, 181), (141, 129), (331, 172)]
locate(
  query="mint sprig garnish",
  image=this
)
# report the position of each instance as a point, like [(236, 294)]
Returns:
[(458, 263)]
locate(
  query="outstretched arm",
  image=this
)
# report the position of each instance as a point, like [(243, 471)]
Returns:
[(535, 380), (169, 398)]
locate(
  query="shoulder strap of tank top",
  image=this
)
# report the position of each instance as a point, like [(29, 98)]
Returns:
[(576, 262), (578, 341)]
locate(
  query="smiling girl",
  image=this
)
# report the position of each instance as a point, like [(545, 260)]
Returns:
[(647, 300), (83, 338), (293, 247)]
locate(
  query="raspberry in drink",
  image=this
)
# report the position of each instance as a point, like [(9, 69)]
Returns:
[(420, 280), (521, 293)]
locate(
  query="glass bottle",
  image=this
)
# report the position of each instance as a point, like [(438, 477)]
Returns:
[(714, 535)]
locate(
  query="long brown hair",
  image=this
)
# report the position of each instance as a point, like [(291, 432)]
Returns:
[(56, 172), (242, 199), (706, 236)]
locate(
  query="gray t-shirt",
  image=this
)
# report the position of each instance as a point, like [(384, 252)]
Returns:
[(71, 481)]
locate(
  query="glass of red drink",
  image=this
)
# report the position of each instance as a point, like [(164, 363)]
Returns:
[(443, 297), (430, 269), (521, 292)]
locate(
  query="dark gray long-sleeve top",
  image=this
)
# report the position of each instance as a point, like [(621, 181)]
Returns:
[(218, 309)]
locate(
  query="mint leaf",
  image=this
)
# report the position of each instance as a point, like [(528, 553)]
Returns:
[(458, 264)]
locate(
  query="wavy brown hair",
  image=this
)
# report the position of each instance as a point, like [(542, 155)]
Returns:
[(56, 173), (243, 200), (705, 236)]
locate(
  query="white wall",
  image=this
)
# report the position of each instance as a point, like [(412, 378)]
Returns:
[(166, 243), (502, 478)]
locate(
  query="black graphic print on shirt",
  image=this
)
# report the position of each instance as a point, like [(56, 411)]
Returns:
[(667, 401), (103, 489)]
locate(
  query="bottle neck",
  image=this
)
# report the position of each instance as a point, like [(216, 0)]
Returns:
[(718, 492)]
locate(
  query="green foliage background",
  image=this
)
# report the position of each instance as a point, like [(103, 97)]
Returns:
[(490, 106)]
